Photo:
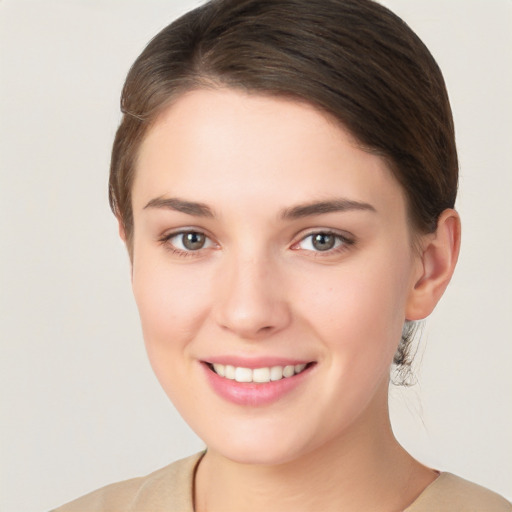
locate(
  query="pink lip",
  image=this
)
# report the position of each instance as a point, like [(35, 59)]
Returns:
[(250, 393)]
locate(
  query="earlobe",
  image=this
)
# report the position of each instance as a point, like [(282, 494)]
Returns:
[(438, 259)]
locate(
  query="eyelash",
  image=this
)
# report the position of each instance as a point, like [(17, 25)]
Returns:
[(166, 242), (344, 243)]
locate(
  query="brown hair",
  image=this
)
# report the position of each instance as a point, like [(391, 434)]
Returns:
[(353, 59)]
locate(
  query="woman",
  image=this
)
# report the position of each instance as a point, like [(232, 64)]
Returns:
[(284, 177)]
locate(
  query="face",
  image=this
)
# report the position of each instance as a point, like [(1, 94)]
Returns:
[(272, 265)]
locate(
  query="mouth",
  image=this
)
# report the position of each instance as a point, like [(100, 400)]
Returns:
[(258, 381), (261, 375)]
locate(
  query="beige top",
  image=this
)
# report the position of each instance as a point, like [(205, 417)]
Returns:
[(170, 489)]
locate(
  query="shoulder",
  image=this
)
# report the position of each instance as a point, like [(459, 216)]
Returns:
[(450, 493), (169, 488)]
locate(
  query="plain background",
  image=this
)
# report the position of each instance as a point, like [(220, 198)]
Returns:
[(80, 406)]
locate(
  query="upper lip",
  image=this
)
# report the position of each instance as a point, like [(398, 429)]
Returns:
[(255, 362)]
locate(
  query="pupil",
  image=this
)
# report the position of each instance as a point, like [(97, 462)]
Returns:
[(323, 241), (193, 241)]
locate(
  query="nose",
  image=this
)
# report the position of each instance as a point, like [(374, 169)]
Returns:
[(251, 298)]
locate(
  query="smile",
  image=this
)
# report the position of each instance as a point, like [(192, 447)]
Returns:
[(256, 383), (257, 375)]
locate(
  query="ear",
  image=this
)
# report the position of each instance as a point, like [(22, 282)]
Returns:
[(124, 238), (122, 231), (438, 257)]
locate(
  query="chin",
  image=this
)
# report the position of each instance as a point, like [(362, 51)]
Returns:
[(270, 450)]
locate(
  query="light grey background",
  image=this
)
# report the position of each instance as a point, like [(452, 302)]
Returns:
[(80, 406)]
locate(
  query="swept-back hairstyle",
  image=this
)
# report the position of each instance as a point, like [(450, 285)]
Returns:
[(353, 59)]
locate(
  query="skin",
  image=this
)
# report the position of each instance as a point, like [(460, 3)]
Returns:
[(260, 288)]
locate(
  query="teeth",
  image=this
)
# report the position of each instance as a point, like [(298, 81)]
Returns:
[(260, 375), (229, 372), (288, 371), (243, 375), (220, 369), (276, 373)]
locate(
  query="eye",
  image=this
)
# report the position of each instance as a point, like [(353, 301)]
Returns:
[(323, 241), (189, 241)]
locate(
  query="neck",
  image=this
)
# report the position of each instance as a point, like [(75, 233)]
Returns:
[(363, 469)]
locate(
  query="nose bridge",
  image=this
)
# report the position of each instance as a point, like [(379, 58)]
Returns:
[(251, 302)]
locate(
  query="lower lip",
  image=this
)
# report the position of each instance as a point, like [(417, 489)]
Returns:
[(254, 394)]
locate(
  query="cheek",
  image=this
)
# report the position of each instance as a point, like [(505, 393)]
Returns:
[(359, 310), (357, 314), (172, 305)]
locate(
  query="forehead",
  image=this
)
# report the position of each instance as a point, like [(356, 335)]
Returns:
[(224, 145)]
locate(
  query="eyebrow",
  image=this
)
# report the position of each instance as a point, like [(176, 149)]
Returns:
[(179, 205), (296, 212), (321, 207)]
